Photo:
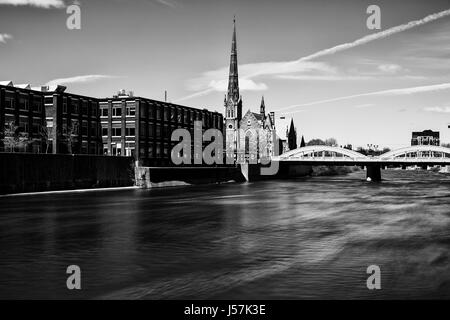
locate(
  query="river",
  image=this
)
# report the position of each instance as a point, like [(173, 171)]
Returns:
[(305, 238)]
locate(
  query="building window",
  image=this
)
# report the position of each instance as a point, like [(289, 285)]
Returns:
[(130, 132), (104, 112), (150, 151), (166, 114), (166, 150), (74, 127), (84, 128), (23, 124), (158, 113), (23, 103), (117, 111), (131, 111), (116, 132), (151, 112), (104, 132), (94, 109), (158, 130), (84, 108), (150, 130), (65, 105), (37, 106), (10, 103), (64, 126), (37, 123), (74, 107), (158, 150), (94, 129)]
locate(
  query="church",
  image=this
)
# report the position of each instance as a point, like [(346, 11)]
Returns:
[(250, 137)]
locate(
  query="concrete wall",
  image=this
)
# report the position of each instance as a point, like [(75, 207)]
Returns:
[(20, 172), (150, 177)]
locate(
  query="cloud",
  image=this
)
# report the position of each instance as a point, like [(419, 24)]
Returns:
[(217, 80), (437, 109), (79, 79), (365, 105), (5, 37), (389, 68), (390, 92), (168, 3), (46, 4), (323, 77), (305, 65)]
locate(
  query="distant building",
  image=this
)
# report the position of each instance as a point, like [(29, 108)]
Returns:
[(48, 120), (292, 136), (288, 135), (141, 127), (427, 137)]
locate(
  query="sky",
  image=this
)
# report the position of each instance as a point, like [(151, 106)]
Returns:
[(313, 60)]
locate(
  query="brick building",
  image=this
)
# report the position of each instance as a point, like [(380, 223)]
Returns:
[(141, 127), (47, 120)]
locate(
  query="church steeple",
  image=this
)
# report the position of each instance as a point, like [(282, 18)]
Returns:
[(262, 109), (233, 80)]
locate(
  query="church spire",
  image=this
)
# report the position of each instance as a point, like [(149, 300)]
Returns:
[(262, 109), (233, 81)]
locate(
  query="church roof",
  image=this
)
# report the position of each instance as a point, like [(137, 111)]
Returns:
[(258, 116)]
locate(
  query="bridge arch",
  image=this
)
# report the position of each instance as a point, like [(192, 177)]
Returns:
[(311, 150), (404, 152)]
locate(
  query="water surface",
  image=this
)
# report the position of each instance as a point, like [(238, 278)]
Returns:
[(304, 238)]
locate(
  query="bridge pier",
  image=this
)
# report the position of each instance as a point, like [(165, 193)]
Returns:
[(374, 172)]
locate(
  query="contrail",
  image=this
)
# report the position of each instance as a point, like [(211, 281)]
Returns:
[(345, 46), (395, 92), (378, 35), (369, 38)]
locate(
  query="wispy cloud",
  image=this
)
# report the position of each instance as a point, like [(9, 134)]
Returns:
[(80, 79), (5, 37), (389, 68), (46, 4), (365, 105), (168, 3), (437, 109), (217, 80), (296, 69), (390, 92)]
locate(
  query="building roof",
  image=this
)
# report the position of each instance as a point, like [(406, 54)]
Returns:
[(258, 116), (7, 83), (23, 86)]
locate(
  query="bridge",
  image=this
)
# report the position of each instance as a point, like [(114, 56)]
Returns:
[(325, 155)]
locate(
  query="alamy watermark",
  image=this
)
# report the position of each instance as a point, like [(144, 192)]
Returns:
[(374, 280), (252, 146), (73, 21), (74, 280)]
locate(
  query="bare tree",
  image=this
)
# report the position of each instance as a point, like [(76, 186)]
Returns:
[(11, 137), (72, 133), (46, 134)]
